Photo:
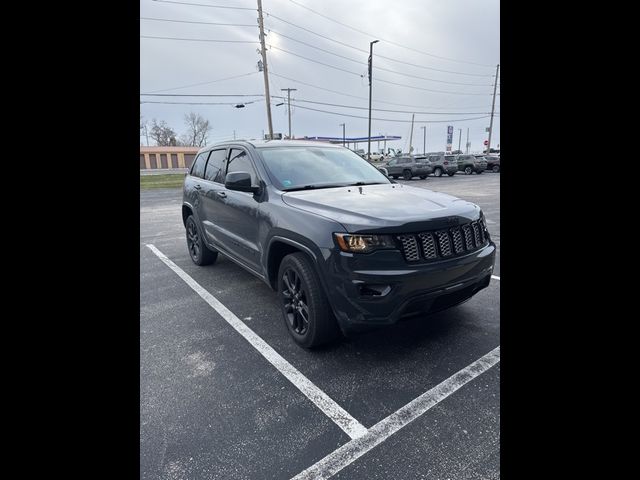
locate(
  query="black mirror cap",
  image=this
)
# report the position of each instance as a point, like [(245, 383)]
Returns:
[(240, 181)]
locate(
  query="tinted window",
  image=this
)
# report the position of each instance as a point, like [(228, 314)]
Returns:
[(214, 166), (239, 162), (434, 158), (392, 162), (451, 158), (404, 160), (198, 165)]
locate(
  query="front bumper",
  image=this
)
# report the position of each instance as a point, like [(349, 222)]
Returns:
[(380, 288)]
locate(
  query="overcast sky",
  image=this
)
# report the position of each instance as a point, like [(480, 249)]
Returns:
[(466, 32)]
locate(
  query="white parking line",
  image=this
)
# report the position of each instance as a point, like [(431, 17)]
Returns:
[(326, 404), (496, 277), (354, 449)]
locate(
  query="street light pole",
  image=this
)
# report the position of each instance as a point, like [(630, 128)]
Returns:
[(459, 139), (424, 141), (370, 83), (343, 135)]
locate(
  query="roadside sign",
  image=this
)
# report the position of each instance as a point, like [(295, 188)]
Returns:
[(486, 142)]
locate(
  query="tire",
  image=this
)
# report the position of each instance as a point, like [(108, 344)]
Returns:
[(422, 177), (297, 279), (468, 170), (437, 172), (496, 169), (407, 175), (478, 172), (395, 177), (198, 250), (451, 174)]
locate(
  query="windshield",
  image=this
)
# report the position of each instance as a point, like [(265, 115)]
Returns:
[(294, 168)]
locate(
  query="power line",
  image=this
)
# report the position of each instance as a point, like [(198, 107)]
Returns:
[(316, 61), (197, 103), (200, 95), (392, 120), (201, 83), (382, 109), (200, 23), (198, 39), (205, 5), (377, 55), (358, 97), (378, 68), (378, 80), (368, 34)]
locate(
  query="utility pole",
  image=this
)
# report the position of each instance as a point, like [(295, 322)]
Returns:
[(264, 69), (459, 139), (343, 133), (424, 140), (493, 106), (146, 133), (467, 146), (413, 115), (289, 90), (370, 83)]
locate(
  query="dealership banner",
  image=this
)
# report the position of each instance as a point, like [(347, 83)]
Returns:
[(449, 137)]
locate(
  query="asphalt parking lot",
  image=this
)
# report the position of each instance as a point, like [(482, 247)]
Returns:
[(213, 406)]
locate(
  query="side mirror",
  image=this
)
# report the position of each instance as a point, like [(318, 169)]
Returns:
[(384, 171), (241, 182)]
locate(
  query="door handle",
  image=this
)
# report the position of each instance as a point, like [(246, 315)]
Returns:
[(221, 194), (197, 187)]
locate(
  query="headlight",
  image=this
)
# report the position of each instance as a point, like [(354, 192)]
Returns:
[(363, 243)]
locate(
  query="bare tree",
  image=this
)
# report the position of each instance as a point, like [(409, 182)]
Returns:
[(143, 129), (197, 130), (162, 134)]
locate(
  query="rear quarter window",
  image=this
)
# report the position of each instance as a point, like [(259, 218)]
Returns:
[(197, 170)]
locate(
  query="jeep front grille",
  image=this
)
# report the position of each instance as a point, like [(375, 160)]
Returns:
[(443, 244), (409, 247)]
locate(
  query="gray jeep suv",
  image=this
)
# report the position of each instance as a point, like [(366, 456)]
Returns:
[(470, 163), (344, 247), (443, 163), (408, 167)]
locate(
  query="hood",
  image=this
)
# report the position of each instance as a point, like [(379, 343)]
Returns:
[(387, 208)]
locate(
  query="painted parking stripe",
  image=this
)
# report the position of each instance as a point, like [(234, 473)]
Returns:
[(326, 404), (354, 449), (496, 277)]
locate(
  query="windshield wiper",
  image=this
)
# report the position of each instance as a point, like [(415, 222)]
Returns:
[(357, 184), (311, 187)]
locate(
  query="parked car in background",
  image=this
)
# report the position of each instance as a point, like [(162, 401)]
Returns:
[(408, 167), (469, 164), (493, 163), (442, 163)]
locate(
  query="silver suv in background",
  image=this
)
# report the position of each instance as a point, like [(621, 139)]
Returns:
[(469, 164), (442, 163)]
